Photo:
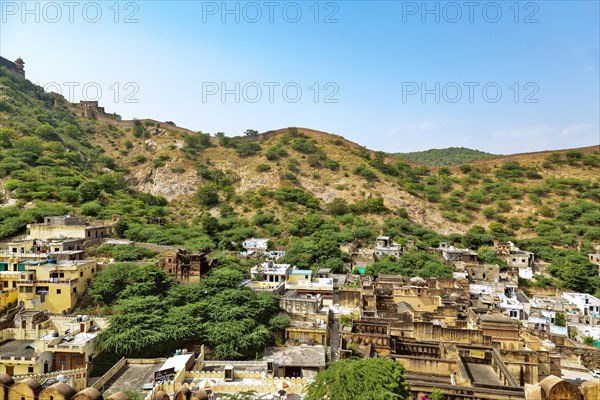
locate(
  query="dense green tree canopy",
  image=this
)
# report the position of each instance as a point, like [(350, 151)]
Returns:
[(154, 315), (417, 263), (362, 379)]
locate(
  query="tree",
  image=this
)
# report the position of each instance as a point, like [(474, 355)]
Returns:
[(437, 394), (337, 207), (89, 190), (560, 319), (120, 280), (368, 379), (6, 136), (589, 340), (251, 132), (208, 195), (121, 227)]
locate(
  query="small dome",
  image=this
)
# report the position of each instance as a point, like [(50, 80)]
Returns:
[(62, 388), (160, 395), (183, 393), (88, 394), (200, 395), (5, 379), (32, 383), (118, 396)]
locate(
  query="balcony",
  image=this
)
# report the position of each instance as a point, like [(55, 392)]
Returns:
[(51, 280)]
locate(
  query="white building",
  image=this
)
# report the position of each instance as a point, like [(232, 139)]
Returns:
[(511, 307), (271, 272), (384, 246), (256, 244), (586, 303)]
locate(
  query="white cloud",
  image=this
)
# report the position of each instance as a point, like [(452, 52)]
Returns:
[(421, 126), (523, 132), (578, 129)]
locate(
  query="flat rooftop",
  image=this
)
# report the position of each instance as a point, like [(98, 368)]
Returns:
[(177, 362), (132, 377), (298, 296), (79, 339), (17, 348), (297, 356), (301, 272), (484, 374)]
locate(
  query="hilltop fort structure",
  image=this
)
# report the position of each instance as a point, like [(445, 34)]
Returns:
[(18, 66)]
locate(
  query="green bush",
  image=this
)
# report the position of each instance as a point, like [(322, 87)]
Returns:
[(263, 168), (365, 172)]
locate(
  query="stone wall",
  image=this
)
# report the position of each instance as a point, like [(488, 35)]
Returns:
[(350, 298), (424, 365), (432, 333)]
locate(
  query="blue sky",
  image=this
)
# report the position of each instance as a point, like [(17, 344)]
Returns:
[(397, 76)]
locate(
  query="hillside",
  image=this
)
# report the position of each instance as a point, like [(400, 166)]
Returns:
[(447, 156), (294, 184)]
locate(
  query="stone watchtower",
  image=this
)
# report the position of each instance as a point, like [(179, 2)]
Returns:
[(20, 66)]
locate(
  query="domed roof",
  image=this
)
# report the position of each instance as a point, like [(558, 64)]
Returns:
[(32, 383), (90, 393), (118, 396), (549, 382), (182, 393), (6, 379), (200, 395), (160, 395), (64, 389)]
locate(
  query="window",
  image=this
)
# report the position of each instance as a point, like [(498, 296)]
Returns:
[(58, 291), (74, 290), (81, 273), (30, 370), (93, 270), (28, 289), (62, 274)]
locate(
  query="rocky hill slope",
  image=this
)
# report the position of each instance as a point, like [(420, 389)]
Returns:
[(50, 148)]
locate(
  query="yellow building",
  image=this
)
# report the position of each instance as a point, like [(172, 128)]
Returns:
[(39, 344), (70, 227), (44, 284), (54, 287), (418, 298)]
